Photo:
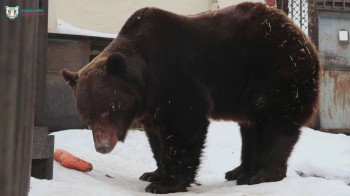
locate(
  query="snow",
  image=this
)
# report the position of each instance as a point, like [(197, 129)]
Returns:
[(66, 28), (323, 159)]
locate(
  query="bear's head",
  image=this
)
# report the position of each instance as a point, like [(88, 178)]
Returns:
[(105, 98)]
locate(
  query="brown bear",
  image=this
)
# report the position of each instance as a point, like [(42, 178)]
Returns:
[(247, 63)]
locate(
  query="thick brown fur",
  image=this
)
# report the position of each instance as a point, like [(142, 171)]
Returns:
[(246, 63)]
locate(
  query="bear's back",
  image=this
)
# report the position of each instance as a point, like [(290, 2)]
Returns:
[(244, 55)]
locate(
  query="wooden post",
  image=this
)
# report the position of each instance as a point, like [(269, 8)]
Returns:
[(18, 43), (313, 34), (42, 151), (313, 21)]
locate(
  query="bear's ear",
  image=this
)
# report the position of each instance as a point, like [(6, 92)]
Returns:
[(116, 64), (70, 77)]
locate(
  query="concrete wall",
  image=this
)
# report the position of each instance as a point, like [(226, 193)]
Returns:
[(108, 16)]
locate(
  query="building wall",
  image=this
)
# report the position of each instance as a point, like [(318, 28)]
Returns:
[(108, 16)]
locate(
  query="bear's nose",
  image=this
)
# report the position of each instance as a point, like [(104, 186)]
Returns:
[(103, 148)]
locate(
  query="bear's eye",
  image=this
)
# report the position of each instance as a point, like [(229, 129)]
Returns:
[(112, 107)]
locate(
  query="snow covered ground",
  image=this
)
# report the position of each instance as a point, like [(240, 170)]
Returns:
[(319, 165)]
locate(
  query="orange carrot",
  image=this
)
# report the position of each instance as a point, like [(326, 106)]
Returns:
[(68, 160)]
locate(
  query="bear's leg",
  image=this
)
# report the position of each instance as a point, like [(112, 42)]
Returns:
[(249, 153), (155, 144), (275, 144), (183, 140)]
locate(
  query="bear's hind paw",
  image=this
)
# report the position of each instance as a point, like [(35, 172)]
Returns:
[(260, 178)]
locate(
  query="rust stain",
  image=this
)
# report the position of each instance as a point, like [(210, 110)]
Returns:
[(341, 88), (335, 100)]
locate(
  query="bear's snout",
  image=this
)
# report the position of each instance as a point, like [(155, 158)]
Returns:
[(103, 148), (105, 140)]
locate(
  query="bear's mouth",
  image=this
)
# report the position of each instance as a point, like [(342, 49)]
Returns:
[(105, 139)]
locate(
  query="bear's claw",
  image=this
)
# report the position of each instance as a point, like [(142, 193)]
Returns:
[(248, 178), (158, 188), (260, 177), (151, 176), (235, 173)]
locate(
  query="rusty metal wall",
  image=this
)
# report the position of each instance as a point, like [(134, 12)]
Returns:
[(335, 82), (60, 111), (335, 101)]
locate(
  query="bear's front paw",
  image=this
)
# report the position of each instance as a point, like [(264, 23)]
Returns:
[(260, 177), (235, 173), (151, 176), (158, 188)]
